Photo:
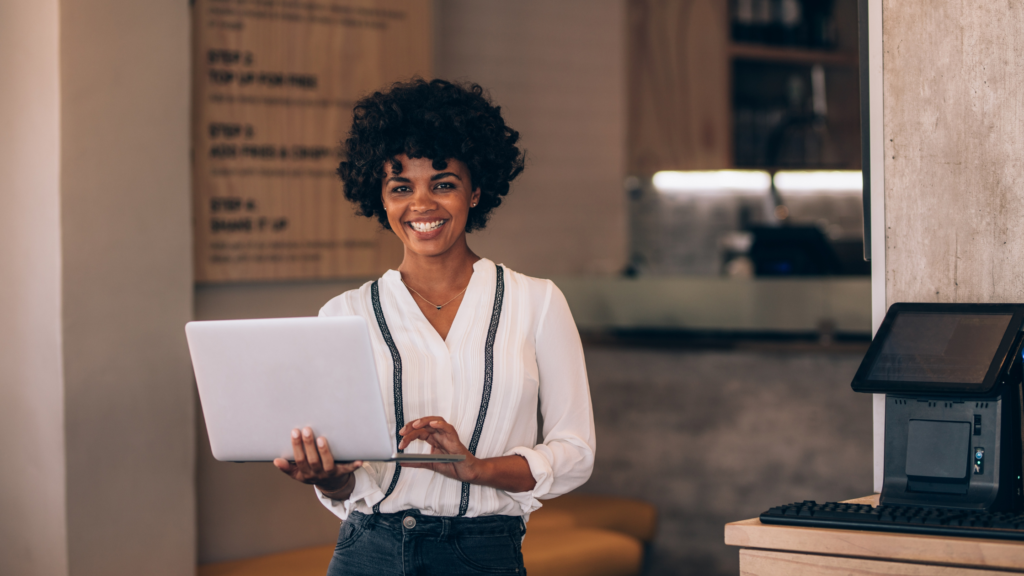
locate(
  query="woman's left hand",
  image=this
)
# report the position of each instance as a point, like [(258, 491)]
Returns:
[(443, 439)]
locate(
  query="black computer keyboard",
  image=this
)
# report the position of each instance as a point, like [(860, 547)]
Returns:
[(912, 519)]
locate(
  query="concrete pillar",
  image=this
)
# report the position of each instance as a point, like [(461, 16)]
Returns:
[(954, 151)]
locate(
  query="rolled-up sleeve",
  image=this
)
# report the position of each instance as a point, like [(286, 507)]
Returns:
[(366, 489), (565, 459)]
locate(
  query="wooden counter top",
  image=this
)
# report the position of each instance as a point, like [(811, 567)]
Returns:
[(915, 548)]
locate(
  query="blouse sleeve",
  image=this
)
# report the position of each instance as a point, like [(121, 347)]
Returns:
[(565, 459), (366, 487)]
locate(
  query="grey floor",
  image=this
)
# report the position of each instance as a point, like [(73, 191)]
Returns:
[(715, 436)]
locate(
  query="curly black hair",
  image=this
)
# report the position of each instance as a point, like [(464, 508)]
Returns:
[(437, 120)]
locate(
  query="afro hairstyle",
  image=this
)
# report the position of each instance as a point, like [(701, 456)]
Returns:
[(437, 120)]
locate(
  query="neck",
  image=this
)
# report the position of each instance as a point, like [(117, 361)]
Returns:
[(449, 270)]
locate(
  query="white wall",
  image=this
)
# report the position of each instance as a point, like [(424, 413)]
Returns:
[(127, 286), (33, 540), (96, 401)]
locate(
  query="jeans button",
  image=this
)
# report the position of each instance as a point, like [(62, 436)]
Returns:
[(409, 522)]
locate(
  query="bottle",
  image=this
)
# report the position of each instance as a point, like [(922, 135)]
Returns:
[(762, 20), (791, 21), (743, 21), (820, 24)]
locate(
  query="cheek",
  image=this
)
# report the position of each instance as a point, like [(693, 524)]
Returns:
[(460, 208), (391, 212)]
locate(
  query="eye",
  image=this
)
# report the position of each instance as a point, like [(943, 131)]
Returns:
[(401, 190), (444, 186)]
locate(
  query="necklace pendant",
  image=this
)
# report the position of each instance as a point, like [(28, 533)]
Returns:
[(439, 307)]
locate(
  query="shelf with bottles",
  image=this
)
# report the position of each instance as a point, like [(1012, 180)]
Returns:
[(788, 115), (808, 24)]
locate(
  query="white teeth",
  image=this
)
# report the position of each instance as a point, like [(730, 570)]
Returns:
[(426, 226)]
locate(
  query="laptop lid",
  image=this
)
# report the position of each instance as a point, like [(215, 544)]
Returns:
[(259, 379)]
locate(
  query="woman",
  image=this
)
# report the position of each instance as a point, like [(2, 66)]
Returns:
[(466, 351)]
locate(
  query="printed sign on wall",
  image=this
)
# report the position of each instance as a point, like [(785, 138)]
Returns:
[(274, 82)]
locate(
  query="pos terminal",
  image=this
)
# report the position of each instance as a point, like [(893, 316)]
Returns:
[(951, 375)]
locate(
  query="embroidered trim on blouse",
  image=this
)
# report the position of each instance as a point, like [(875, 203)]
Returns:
[(396, 359), (492, 332)]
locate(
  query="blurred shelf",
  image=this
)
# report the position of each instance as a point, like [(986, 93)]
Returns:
[(789, 55), (711, 303)]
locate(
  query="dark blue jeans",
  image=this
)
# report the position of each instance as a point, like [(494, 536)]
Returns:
[(409, 543)]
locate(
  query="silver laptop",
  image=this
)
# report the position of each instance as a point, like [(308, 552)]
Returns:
[(259, 379)]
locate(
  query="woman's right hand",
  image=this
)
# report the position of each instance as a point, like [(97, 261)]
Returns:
[(314, 464)]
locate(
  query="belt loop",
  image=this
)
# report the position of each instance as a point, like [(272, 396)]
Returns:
[(446, 525)]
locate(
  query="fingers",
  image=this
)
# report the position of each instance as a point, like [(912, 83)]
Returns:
[(284, 466), (312, 452), (299, 451), (419, 423), (414, 435), (440, 424), (326, 458), (347, 467), (314, 461)]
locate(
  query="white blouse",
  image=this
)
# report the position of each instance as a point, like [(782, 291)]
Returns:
[(537, 357)]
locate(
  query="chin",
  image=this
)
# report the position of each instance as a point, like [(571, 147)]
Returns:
[(428, 248)]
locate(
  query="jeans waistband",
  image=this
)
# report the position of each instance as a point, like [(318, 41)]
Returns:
[(441, 526)]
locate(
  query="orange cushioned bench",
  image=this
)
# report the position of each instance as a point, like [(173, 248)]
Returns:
[(573, 535)]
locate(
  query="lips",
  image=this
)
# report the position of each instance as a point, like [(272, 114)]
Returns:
[(426, 230)]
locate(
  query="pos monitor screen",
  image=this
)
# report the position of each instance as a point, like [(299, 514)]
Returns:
[(941, 349)]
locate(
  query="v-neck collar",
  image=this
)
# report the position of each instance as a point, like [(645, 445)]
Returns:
[(482, 269)]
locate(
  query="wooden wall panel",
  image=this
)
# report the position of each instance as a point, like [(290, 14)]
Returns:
[(274, 83), (679, 99), (954, 150)]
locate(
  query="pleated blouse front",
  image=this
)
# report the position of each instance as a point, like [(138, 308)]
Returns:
[(537, 361)]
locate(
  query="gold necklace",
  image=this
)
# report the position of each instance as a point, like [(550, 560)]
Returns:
[(431, 303)]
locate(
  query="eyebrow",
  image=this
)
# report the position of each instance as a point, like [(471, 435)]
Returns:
[(441, 175), (433, 178)]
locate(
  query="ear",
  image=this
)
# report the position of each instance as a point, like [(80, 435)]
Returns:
[(474, 198)]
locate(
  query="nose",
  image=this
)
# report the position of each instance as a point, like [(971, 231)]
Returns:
[(423, 200)]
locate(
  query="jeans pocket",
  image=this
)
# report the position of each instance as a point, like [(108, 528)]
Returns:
[(349, 533), (497, 554)]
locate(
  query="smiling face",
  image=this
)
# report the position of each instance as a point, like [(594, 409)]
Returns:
[(427, 208)]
